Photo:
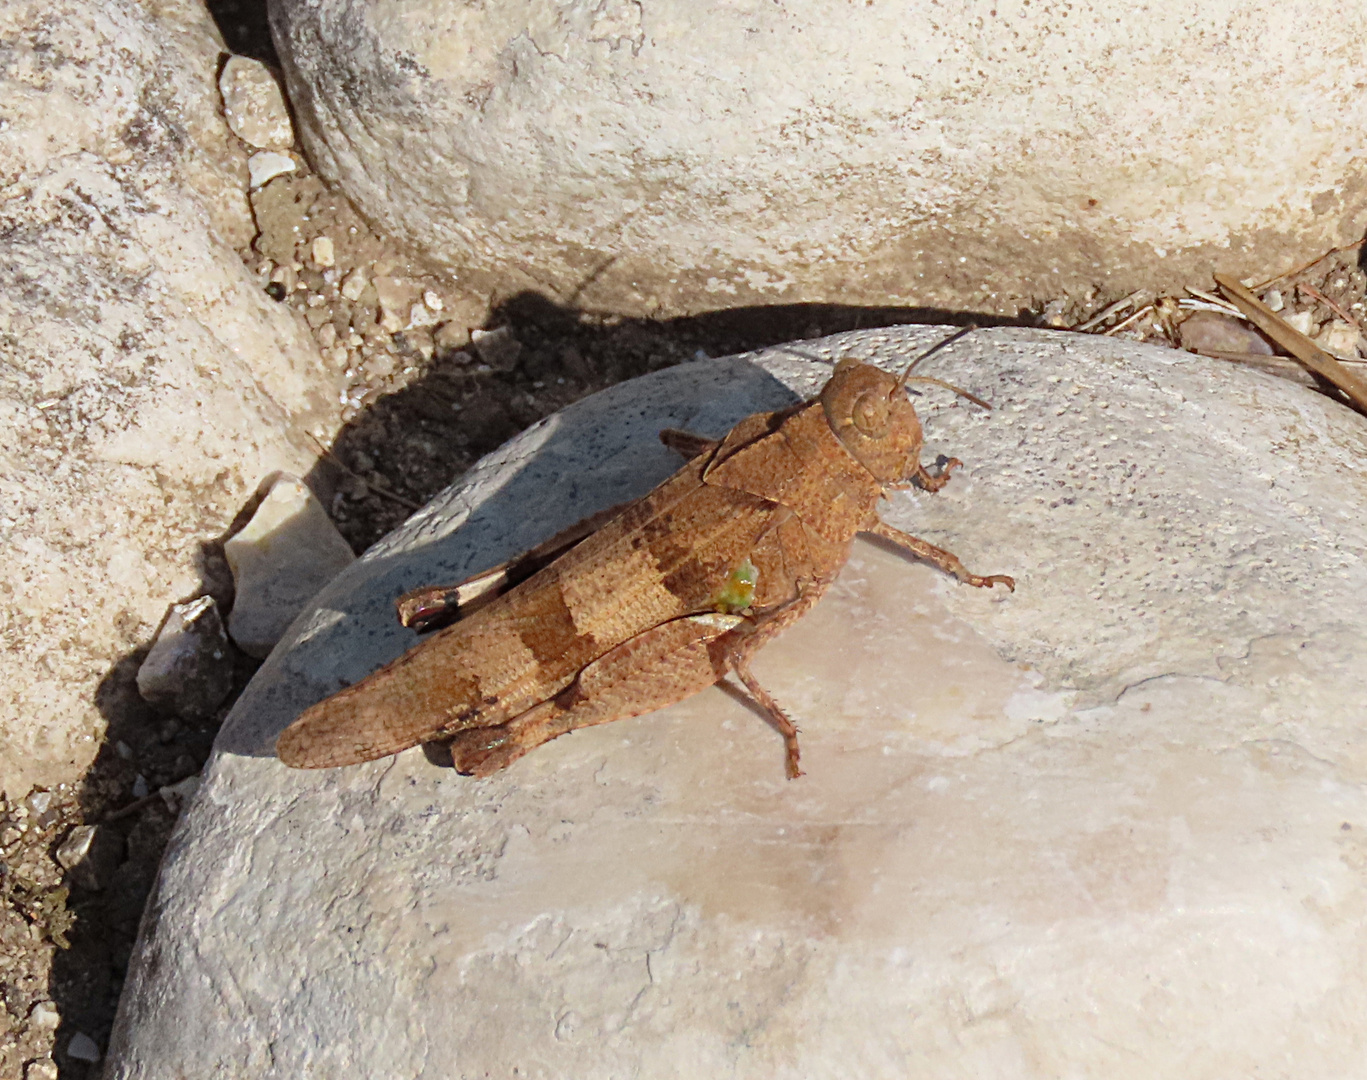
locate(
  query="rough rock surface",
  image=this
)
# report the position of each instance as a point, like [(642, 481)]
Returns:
[(644, 155), (148, 384), (287, 552), (1036, 831)]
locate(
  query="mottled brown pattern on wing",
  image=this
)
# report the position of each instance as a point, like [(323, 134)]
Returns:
[(806, 468)]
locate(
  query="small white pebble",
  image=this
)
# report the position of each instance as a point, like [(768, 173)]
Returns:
[(1303, 321), (432, 300), (322, 251), (265, 166), (42, 1069), (45, 1015)]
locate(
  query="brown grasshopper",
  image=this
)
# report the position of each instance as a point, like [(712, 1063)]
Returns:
[(646, 604)]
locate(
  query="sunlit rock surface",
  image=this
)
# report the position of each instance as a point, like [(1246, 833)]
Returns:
[(678, 156), (1113, 824)]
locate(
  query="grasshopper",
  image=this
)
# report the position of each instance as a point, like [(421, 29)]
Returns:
[(651, 602)]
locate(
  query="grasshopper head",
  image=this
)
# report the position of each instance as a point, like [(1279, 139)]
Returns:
[(870, 413)]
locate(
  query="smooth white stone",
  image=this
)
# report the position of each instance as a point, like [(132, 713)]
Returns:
[(1113, 824), (287, 552), (663, 156)]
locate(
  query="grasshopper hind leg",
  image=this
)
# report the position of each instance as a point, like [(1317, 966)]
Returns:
[(664, 665)]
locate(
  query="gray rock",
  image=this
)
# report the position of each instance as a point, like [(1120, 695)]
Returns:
[(150, 383), (499, 348), (89, 854), (189, 670), (687, 155), (287, 552), (1035, 830), (1209, 331), (254, 104), (83, 1048)]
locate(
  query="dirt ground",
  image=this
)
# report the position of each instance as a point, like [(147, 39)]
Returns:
[(424, 402)]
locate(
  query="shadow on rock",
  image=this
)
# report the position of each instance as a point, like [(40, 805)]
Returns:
[(143, 752)]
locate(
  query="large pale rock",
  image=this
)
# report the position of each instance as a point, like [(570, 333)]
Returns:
[(671, 155), (148, 383), (1114, 824)]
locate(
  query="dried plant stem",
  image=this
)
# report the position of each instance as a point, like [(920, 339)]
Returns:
[(1107, 312), (1315, 294), (1306, 266), (1293, 341), (382, 492), (1128, 320)]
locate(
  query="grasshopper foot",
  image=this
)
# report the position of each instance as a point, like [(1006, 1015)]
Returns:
[(987, 581)]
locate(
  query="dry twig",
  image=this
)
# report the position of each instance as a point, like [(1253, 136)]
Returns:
[(1306, 266), (1106, 312), (384, 492), (1315, 294), (1128, 320)]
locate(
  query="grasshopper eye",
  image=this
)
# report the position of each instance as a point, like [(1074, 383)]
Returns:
[(870, 414)]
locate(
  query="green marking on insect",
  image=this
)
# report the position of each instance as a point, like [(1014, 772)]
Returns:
[(738, 592)]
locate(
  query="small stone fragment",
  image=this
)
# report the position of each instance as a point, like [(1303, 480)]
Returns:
[(497, 348), (432, 300), (83, 1048), (1340, 339), (1302, 321), (1209, 331), (265, 165), (39, 801), (420, 315), (42, 1069), (140, 788), (45, 1015), (449, 337), (288, 551), (354, 284), (177, 796), (254, 104), (89, 855), (189, 670), (322, 251)]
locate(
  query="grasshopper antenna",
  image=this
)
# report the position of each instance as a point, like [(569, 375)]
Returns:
[(947, 385), (942, 344), (907, 376)]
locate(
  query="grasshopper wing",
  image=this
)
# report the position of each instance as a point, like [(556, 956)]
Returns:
[(664, 557)]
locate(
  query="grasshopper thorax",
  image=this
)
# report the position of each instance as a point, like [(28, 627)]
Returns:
[(870, 413)]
